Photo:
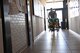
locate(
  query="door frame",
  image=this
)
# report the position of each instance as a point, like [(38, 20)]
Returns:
[(7, 45)]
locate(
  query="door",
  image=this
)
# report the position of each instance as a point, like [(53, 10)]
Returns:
[(59, 16)]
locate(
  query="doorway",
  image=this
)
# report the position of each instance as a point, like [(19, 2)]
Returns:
[(59, 16), (58, 7)]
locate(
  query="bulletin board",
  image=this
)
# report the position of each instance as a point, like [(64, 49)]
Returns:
[(73, 8)]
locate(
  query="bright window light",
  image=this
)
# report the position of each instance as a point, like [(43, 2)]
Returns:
[(54, 5)]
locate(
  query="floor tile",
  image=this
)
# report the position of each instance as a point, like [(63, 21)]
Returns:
[(56, 42)]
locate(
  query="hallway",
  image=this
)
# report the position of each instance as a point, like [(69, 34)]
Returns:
[(23, 22), (63, 41)]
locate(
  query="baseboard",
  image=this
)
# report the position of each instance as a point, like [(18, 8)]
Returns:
[(22, 49), (38, 36), (73, 32)]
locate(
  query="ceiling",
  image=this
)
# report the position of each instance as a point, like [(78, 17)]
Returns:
[(49, 1), (53, 0)]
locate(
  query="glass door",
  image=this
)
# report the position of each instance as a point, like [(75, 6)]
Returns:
[(58, 7), (59, 16)]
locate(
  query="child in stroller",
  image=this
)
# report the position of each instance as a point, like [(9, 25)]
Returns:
[(53, 20), (53, 24)]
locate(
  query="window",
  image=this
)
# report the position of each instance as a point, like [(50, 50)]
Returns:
[(54, 5)]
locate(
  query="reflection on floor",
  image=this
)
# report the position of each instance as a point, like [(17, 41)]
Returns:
[(58, 42)]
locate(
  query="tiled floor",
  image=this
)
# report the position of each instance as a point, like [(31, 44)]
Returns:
[(59, 42)]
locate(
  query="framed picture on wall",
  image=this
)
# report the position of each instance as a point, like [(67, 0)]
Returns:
[(17, 6), (22, 5)]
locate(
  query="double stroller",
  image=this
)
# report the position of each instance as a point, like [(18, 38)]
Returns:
[(53, 24)]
